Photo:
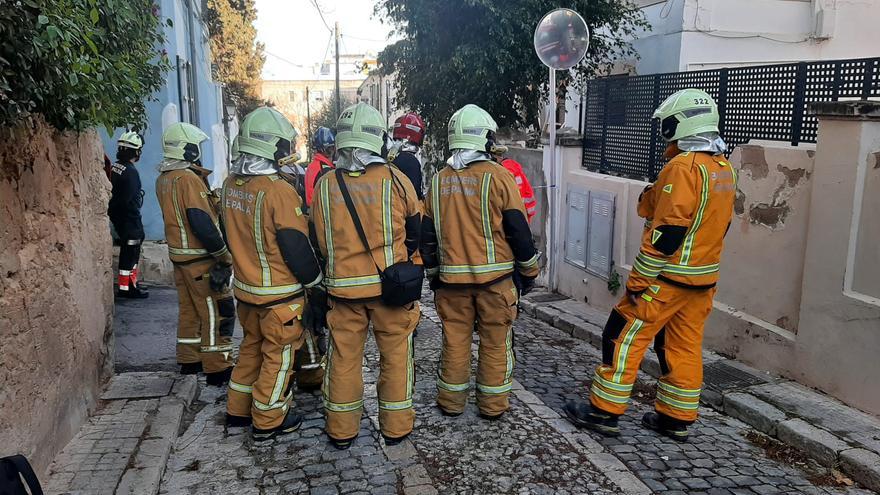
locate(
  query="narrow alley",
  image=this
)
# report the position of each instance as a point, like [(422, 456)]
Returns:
[(531, 450)]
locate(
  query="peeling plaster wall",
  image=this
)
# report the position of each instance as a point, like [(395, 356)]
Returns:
[(56, 293), (767, 236)]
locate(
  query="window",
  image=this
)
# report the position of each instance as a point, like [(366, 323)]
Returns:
[(291, 96)]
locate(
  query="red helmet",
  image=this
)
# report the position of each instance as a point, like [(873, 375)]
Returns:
[(410, 127)]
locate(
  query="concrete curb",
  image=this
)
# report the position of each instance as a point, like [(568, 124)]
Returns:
[(147, 466), (754, 405), (127, 444)]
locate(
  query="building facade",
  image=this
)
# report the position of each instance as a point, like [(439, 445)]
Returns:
[(378, 91), (190, 95), (301, 93), (689, 35)]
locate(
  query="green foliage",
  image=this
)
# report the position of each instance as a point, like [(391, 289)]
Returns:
[(80, 63), (238, 56), (614, 283), (455, 52)]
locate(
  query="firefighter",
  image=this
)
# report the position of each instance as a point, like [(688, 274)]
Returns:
[(408, 134), (274, 263), (669, 292), (479, 253), (124, 211), (324, 144), (389, 213), (522, 182), (307, 360), (202, 263)]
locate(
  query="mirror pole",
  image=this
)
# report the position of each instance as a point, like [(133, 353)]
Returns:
[(553, 190)]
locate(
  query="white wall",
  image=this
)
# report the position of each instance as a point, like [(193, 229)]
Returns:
[(703, 34), (660, 47), (749, 32)]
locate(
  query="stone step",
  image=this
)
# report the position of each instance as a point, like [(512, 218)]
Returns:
[(124, 447)]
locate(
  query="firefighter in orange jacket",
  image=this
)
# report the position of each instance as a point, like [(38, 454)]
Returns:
[(202, 263), (669, 292), (389, 212), (478, 250), (522, 182), (274, 265), (324, 144)]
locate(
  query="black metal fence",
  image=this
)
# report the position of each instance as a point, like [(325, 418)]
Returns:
[(760, 102)]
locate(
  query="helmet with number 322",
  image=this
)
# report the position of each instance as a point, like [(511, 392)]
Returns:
[(686, 113)]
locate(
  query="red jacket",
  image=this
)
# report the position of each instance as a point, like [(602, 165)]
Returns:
[(525, 188), (319, 163)]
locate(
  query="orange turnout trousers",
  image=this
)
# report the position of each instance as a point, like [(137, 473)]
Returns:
[(206, 318), (672, 315), (261, 381), (492, 310), (344, 382)]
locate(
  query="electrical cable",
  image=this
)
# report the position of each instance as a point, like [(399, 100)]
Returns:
[(321, 14), (283, 59), (744, 36)]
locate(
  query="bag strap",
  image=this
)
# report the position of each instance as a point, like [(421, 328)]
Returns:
[(23, 467), (354, 216)]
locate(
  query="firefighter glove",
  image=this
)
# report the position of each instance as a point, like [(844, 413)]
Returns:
[(523, 284), (315, 315), (219, 275)]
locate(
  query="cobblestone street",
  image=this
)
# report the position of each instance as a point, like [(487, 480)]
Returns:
[(532, 450)]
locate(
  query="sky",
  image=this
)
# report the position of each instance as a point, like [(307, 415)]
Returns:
[(295, 34)]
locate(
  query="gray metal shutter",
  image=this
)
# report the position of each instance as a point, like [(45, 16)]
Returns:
[(600, 233), (576, 229)]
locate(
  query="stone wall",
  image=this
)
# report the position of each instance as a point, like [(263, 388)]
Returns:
[(56, 294)]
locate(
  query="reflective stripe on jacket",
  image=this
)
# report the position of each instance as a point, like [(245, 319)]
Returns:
[(268, 236), (390, 213), (688, 208), (191, 226), (475, 229), (525, 187)]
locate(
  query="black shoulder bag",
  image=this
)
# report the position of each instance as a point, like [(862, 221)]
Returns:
[(12, 470), (401, 282)]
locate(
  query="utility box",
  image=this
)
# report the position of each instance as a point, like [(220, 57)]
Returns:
[(589, 230)]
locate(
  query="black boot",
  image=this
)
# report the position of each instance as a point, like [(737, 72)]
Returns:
[(342, 444), (449, 414), (191, 368), (291, 423), (390, 441), (136, 292), (219, 378), (584, 415), (667, 426), (238, 421), (490, 417)]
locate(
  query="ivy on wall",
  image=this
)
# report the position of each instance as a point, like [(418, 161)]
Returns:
[(80, 63)]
